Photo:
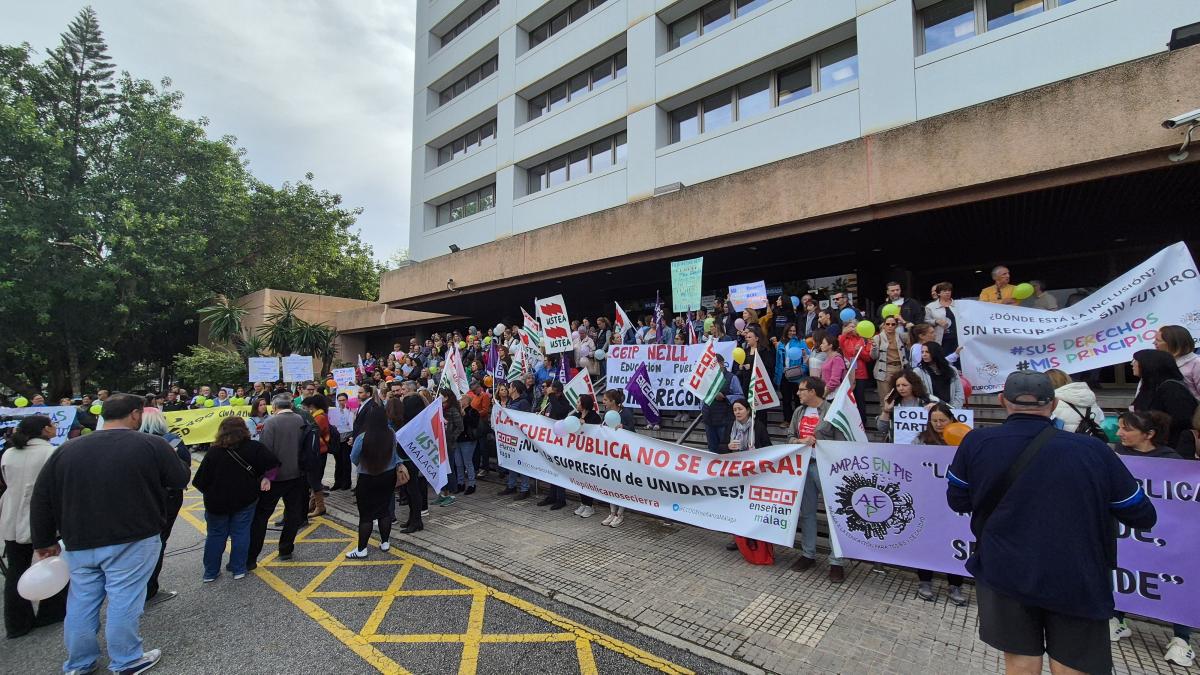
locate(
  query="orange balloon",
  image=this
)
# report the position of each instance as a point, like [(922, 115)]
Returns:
[(389, 378), (809, 342), (954, 433), (387, 371), (487, 380), (332, 384)]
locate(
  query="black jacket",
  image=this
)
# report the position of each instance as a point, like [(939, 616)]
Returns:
[(228, 485), (1173, 398), (911, 311), (558, 408)]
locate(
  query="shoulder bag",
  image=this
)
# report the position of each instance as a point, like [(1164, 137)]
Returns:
[(981, 513)]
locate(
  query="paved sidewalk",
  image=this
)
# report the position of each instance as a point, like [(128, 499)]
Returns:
[(675, 581)]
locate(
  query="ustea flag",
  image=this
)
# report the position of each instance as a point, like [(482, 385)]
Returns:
[(423, 440), (556, 327), (762, 392), (531, 330), (708, 377)]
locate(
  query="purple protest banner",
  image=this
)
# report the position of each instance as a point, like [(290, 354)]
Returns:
[(887, 503), (643, 394)]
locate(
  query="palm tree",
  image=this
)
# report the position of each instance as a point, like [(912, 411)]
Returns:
[(279, 329), (317, 339), (251, 346), (224, 321)]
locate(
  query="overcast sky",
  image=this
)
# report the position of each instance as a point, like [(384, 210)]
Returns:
[(305, 85)]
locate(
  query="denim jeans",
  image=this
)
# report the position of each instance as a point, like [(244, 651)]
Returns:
[(515, 479), (463, 453), (808, 515), (227, 526), (717, 436), (119, 572)]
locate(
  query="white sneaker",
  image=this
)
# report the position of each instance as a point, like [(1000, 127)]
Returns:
[(149, 659), (1117, 630), (385, 546), (1180, 653), (360, 553), (609, 519), (587, 512), (239, 576), (579, 511), (617, 521)]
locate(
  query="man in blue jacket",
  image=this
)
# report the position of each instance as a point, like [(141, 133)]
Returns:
[(1046, 552)]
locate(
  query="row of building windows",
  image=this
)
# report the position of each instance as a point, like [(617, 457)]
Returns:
[(951, 21), (709, 18), (467, 81), (561, 20), (467, 143), (461, 27), (577, 85), (467, 205), (578, 163), (829, 68)]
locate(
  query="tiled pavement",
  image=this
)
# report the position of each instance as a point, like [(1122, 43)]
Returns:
[(676, 581)]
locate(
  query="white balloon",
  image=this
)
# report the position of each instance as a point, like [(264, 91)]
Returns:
[(572, 424), (599, 355), (44, 578), (560, 429), (612, 418), (498, 330)]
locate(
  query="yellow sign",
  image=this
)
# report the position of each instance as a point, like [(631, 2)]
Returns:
[(200, 426)]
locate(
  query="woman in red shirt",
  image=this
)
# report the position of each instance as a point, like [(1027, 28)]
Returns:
[(851, 343)]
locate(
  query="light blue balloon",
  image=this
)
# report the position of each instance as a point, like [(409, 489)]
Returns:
[(612, 418), (795, 302), (599, 354), (794, 353), (848, 314)]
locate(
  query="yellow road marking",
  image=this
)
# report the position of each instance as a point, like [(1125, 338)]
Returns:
[(362, 642)]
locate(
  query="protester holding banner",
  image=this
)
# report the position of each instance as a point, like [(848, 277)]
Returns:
[(26, 453), (888, 353), (940, 314), (557, 408), (904, 389), (516, 483), (941, 379), (416, 490), (1178, 342), (585, 410), (341, 419), (452, 413), (374, 453), (718, 415), (1141, 435), (747, 431), (1042, 503), (756, 348), (806, 427), (1000, 291), (1161, 388)]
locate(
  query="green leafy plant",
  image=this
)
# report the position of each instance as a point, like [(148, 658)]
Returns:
[(214, 367)]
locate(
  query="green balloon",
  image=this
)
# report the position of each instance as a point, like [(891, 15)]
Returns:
[(1109, 425), (96, 409), (462, 344), (21, 401), (890, 310), (208, 404), (1023, 291), (200, 400)]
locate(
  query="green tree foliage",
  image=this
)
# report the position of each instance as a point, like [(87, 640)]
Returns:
[(120, 220), (214, 367)]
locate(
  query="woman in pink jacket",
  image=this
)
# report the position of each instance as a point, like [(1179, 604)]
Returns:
[(1177, 341)]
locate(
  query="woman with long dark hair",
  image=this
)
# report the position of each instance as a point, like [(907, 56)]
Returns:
[(1161, 388), (28, 449), (375, 455), (1178, 342), (905, 389), (940, 378), (231, 478)]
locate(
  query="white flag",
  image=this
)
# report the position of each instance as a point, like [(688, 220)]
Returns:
[(455, 374), (708, 377), (423, 440), (579, 385), (622, 324), (843, 413), (762, 391), (531, 330)]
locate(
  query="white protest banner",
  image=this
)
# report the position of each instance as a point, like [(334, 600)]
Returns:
[(297, 368), (887, 504), (1103, 329), (752, 295), (556, 327), (708, 377), (343, 376), (578, 386), (263, 368), (754, 494), (909, 421), (350, 390), (685, 284), (762, 391), (423, 440), (668, 367), (63, 417), (454, 372)]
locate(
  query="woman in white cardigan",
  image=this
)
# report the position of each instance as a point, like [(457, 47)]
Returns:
[(28, 450), (940, 314)]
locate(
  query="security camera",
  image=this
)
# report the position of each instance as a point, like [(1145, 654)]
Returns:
[(1186, 118)]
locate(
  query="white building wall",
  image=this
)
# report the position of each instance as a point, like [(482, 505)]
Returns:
[(896, 86)]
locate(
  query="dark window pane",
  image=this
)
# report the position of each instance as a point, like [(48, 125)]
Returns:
[(473, 139), (487, 197), (472, 78), (684, 31), (948, 22), (487, 133), (718, 111), (578, 85), (746, 6), (444, 97), (602, 155), (685, 123), (443, 214), (577, 164), (460, 87), (488, 67), (558, 97), (538, 35), (795, 83), (1003, 12), (620, 63), (537, 177), (578, 10), (472, 204), (620, 142), (557, 171), (602, 72), (839, 64), (754, 97), (460, 147), (597, 3), (558, 23), (714, 16)]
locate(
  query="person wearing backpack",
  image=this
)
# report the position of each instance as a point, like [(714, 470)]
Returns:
[(1077, 408), (1042, 503), (284, 435)]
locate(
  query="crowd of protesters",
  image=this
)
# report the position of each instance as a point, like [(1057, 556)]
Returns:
[(279, 451)]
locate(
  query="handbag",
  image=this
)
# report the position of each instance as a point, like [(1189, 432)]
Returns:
[(794, 373), (992, 499), (756, 552)]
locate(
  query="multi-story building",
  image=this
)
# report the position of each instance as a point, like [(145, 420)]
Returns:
[(577, 146)]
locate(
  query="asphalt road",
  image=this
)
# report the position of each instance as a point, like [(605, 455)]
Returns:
[(402, 611)]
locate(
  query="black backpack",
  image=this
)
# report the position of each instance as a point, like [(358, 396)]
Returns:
[(310, 447), (1087, 424)]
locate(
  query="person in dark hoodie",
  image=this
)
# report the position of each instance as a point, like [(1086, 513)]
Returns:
[(557, 408), (1142, 435), (517, 483), (1043, 582)]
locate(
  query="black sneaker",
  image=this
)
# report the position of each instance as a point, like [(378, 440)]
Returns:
[(558, 506), (520, 496), (470, 490), (546, 502), (285, 556), (149, 660)]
